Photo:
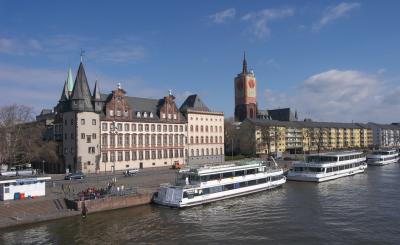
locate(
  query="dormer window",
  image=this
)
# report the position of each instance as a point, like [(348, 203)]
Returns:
[(169, 116), (125, 113), (145, 114), (163, 115), (175, 116), (151, 114), (138, 114), (111, 113), (118, 113)]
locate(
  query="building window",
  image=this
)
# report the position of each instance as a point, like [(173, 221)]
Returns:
[(175, 117), (134, 156), (197, 139), (104, 126), (171, 153), (138, 114), (171, 139), (126, 127), (191, 139), (192, 153), (145, 114), (104, 139), (93, 121), (146, 127), (153, 139), (82, 121), (118, 113), (176, 128), (140, 127), (197, 152), (127, 156), (159, 154), (153, 128), (120, 156), (111, 112), (104, 157), (191, 128), (170, 128), (119, 126), (163, 115), (133, 139), (201, 128), (176, 139), (207, 152), (151, 114), (181, 152), (165, 154), (133, 127), (83, 136), (197, 128), (112, 156), (159, 140), (127, 137), (119, 140), (88, 139), (141, 141), (202, 140), (126, 113), (147, 140), (91, 150), (147, 155), (181, 128), (158, 128), (94, 136), (206, 128), (153, 154), (169, 116), (202, 152), (165, 128)]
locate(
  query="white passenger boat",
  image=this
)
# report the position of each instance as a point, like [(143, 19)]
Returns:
[(206, 184), (383, 157), (328, 166)]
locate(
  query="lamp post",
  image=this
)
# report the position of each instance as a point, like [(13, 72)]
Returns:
[(43, 167), (113, 133)]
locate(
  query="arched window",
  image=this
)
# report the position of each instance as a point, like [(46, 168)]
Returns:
[(207, 140), (251, 113), (197, 152), (191, 128), (207, 152), (191, 139), (206, 128), (197, 139), (216, 151), (192, 153), (197, 128), (202, 140), (212, 151), (202, 152)]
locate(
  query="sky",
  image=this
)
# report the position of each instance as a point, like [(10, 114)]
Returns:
[(329, 60)]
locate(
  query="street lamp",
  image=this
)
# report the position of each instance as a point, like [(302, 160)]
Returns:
[(113, 133), (43, 167)]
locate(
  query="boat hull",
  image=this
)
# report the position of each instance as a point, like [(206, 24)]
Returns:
[(382, 163), (326, 177)]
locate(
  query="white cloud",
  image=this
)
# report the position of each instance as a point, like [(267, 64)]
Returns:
[(342, 96), (260, 20), (19, 47), (335, 12), (223, 16)]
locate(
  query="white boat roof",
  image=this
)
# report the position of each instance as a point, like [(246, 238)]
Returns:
[(25, 180), (337, 154), (221, 168)]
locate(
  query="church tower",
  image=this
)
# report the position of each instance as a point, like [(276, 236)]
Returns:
[(245, 94)]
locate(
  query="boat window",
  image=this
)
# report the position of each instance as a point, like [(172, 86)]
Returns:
[(185, 194), (260, 181), (251, 182), (335, 169), (204, 178), (251, 171), (227, 175), (228, 187), (321, 159), (328, 170), (236, 185), (341, 167), (268, 179), (206, 191), (242, 184), (239, 173), (215, 176), (215, 189), (193, 178)]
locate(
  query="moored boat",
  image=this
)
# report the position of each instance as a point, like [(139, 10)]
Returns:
[(328, 166), (195, 186), (383, 157)]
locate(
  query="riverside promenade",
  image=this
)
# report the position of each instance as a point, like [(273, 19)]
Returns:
[(138, 190)]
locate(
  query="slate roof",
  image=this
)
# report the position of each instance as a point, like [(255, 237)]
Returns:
[(194, 102), (81, 89), (302, 124)]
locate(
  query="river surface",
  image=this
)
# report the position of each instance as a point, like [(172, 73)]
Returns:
[(361, 209)]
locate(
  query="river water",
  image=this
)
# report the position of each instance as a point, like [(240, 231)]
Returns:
[(361, 209)]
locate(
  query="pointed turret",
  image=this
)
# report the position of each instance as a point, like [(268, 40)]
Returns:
[(96, 91), (64, 94), (81, 96), (244, 70), (70, 82)]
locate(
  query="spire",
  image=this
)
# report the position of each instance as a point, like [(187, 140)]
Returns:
[(64, 94), (96, 91), (81, 89), (70, 82), (244, 70)]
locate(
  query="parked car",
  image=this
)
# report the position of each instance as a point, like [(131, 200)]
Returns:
[(74, 176), (131, 172)]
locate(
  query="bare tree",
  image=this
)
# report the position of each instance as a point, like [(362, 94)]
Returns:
[(12, 123)]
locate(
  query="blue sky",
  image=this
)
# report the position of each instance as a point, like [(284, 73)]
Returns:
[(330, 60)]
